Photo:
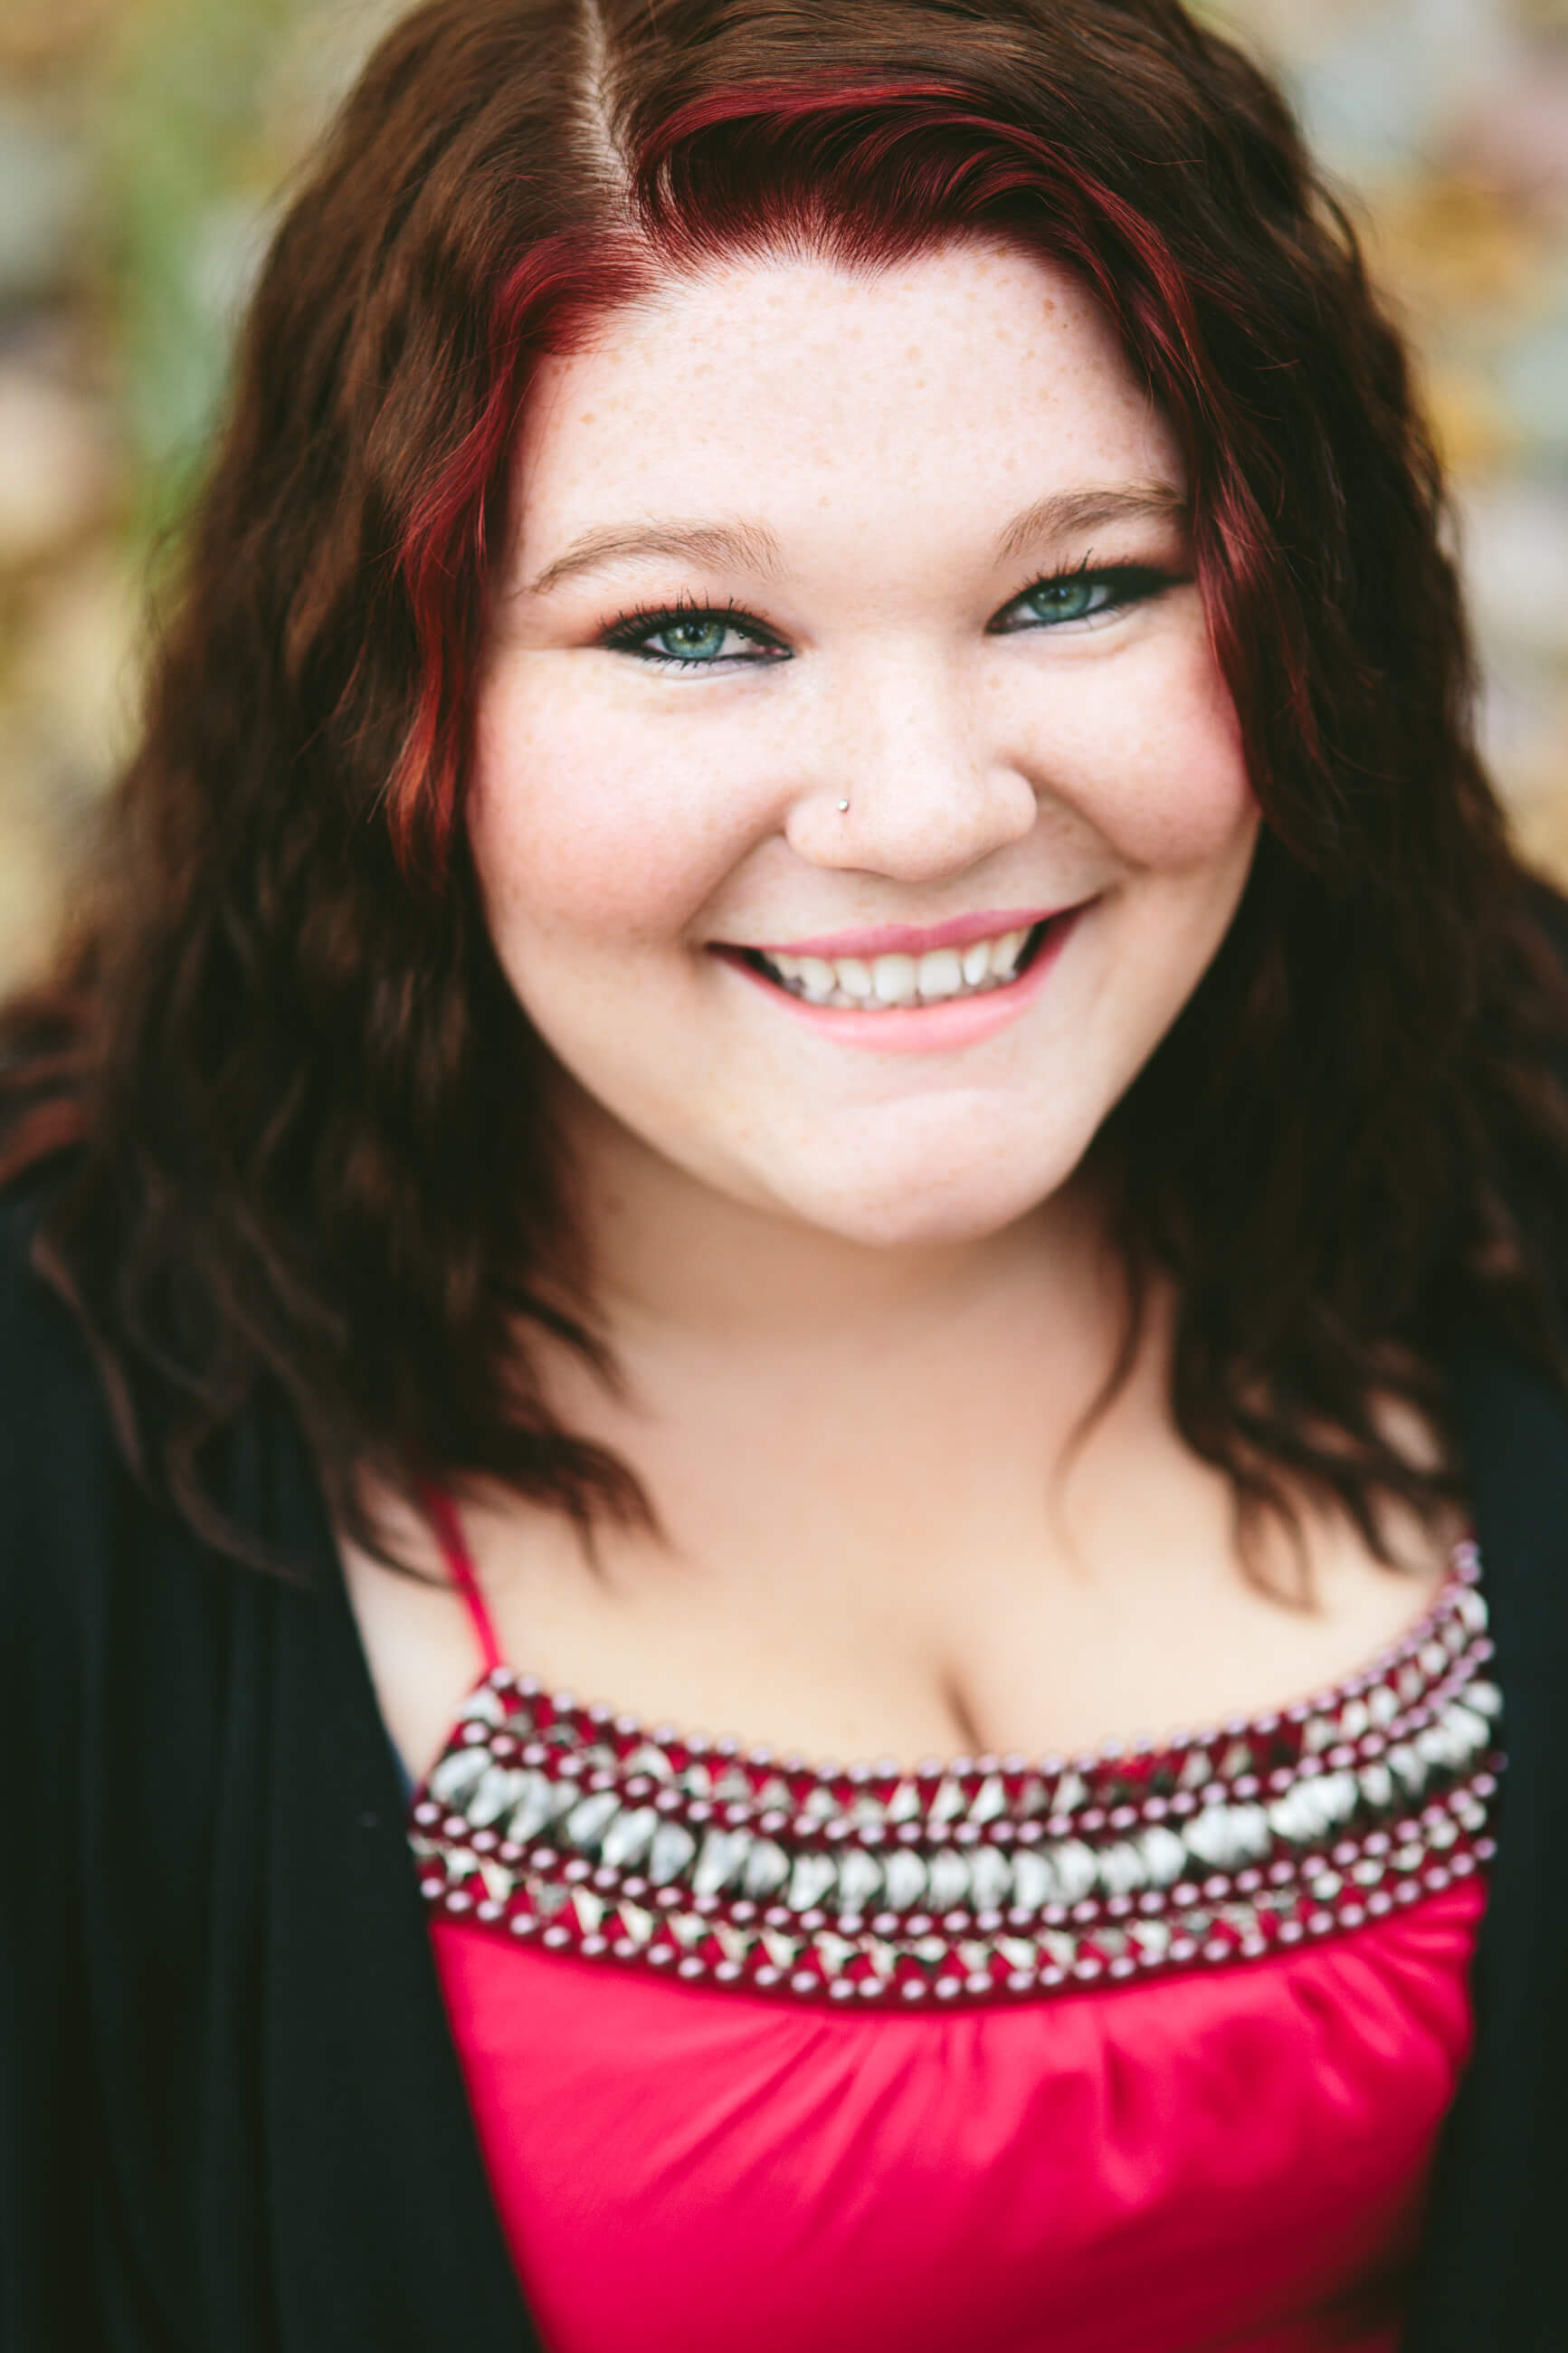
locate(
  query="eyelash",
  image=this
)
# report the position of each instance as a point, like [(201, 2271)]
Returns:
[(629, 631)]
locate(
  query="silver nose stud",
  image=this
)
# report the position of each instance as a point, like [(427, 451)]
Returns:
[(842, 807)]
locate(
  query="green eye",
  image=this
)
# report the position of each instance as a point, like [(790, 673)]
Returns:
[(692, 639), (1082, 596), (698, 640), (1072, 600)]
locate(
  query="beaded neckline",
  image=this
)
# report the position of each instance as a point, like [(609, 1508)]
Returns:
[(976, 1879)]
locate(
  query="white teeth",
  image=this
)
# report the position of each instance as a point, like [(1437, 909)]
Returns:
[(878, 983), (895, 979), (941, 973)]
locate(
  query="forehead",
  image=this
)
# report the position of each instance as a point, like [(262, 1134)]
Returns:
[(794, 388)]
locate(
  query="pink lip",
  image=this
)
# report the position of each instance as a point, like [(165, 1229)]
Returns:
[(912, 939), (926, 1029)]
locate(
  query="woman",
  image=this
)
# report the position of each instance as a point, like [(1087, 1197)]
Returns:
[(807, 1015)]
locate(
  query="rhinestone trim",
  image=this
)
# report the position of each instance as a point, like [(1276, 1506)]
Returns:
[(982, 1878)]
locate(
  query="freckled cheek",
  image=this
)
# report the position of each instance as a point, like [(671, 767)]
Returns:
[(592, 822), (1150, 753)]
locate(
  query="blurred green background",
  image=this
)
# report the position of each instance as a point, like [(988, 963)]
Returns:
[(145, 146)]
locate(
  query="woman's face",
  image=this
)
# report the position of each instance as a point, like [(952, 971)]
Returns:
[(857, 800)]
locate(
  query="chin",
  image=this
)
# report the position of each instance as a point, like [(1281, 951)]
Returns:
[(905, 1210)]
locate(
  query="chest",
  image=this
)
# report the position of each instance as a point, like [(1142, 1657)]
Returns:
[(1001, 1638)]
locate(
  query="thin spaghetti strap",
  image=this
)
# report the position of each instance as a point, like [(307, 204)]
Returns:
[(460, 1562)]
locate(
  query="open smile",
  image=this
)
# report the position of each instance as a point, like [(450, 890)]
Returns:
[(901, 967), (883, 982), (950, 993)]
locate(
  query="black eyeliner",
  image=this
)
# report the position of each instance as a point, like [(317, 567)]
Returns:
[(1144, 581), (629, 629)]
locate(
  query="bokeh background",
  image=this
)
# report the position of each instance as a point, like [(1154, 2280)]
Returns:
[(145, 146)]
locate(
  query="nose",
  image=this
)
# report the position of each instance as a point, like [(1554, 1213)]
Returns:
[(929, 794)]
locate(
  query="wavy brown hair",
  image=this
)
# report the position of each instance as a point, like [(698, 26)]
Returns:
[(300, 1122)]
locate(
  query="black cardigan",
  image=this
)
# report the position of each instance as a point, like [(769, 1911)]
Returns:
[(231, 2120)]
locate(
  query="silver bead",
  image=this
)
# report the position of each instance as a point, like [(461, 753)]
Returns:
[(1076, 1870), (811, 1882), (767, 1868), (949, 1881), (1034, 1884), (628, 1836), (539, 1802), (904, 1875), (722, 1855), (672, 1849), (589, 1818), (459, 1773), (859, 1880), (991, 1879)]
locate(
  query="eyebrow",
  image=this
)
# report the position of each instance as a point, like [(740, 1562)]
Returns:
[(1067, 513), (752, 547), (743, 546)]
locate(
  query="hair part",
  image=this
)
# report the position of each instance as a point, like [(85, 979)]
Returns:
[(302, 1126)]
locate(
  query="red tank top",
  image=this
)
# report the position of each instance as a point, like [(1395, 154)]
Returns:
[(1185, 2022)]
